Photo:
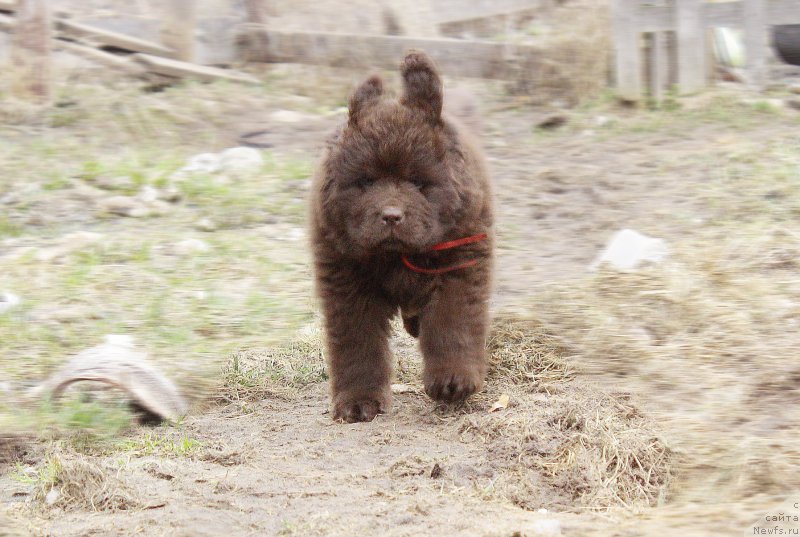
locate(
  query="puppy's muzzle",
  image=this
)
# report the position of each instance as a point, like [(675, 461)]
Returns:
[(392, 216)]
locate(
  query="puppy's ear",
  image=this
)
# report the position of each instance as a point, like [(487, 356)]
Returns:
[(369, 90), (423, 87)]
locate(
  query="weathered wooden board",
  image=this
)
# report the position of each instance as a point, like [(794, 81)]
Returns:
[(123, 63), (179, 69), (449, 11), (111, 39), (457, 57)]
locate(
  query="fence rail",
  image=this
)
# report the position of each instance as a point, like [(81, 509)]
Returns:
[(685, 24)]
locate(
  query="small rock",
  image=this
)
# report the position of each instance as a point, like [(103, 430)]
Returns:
[(52, 497), (241, 160), (402, 388), (123, 206), (172, 194), (8, 300), (66, 314), (287, 116), (205, 224), (71, 242), (203, 163), (192, 246), (601, 121), (553, 121), (119, 182), (629, 249), (148, 194)]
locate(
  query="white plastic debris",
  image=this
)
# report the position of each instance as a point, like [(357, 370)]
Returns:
[(628, 250)]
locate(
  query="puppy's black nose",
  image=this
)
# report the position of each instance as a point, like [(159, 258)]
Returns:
[(391, 216)]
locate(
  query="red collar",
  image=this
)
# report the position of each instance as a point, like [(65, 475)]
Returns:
[(446, 246)]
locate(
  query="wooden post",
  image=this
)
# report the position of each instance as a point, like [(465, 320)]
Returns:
[(253, 42), (659, 65), (627, 53), (31, 61), (691, 45), (415, 19), (755, 40), (177, 28)]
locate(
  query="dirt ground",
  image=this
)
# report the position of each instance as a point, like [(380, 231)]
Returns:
[(691, 362)]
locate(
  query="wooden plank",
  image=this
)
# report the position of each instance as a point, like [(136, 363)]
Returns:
[(691, 46), (9, 6), (178, 20), (755, 41), (31, 55), (655, 18), (727, 14), (179, 69), (456, 57), (450, 11), (627, 50), (783, 12), (123, 63), (112, 39)]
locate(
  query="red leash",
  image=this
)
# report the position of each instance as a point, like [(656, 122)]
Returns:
[(446, 246)]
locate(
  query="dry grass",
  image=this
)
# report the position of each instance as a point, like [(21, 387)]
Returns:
[(82, 483), (573, 62), (254, 374), (522, 352), (562, 443)]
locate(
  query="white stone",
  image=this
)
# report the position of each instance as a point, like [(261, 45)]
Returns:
[(8, 300), (149, 194), (206, 224), (203, 163), (52, 497), (241, 159), (547, 526), (192, 246), (628, 250), (287, 116)]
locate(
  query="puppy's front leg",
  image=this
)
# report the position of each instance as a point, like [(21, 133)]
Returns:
[(359, 359), (452, 336)]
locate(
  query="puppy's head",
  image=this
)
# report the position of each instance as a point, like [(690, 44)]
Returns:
[(386, 183)]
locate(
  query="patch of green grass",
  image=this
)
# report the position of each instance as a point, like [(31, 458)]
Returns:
[(152, 443), (9, 228), (46, 475)]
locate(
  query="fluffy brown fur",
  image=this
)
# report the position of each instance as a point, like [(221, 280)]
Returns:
[(395, 180)]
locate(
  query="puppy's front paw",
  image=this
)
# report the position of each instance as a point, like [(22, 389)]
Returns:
[(452, 386), (353, 410)]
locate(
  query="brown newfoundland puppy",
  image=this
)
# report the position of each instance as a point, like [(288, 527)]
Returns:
[(401, 218)]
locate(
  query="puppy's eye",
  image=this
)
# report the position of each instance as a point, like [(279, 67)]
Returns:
[(364, 181), (419, 184)]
